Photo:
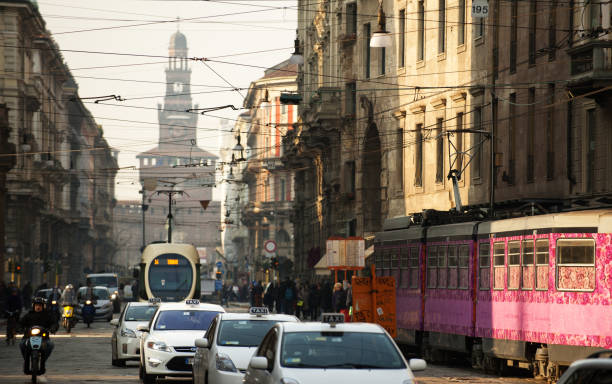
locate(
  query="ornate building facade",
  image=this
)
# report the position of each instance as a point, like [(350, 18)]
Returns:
[(58, 205)]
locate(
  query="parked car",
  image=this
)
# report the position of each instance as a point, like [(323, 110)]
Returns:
[(125, 341), (103, 304)]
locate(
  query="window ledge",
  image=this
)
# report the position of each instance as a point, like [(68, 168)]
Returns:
[(461, 48), (478, 40), (420, 64), (441, 56)]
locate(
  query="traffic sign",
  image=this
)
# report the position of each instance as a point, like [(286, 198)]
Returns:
[(480, 8), (219, 264), (270, 246)]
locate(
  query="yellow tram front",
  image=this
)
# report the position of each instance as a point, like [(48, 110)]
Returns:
[(170, 272)]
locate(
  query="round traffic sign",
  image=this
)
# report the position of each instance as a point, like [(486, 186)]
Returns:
[(270, 246)]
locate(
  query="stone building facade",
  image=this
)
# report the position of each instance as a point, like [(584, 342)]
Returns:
[(271, 188), (58, 205), (524, 126)]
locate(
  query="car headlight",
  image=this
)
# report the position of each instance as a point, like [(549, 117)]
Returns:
[(113, 296), (224, 363), (158, 346), (126, 332), (287, 380)]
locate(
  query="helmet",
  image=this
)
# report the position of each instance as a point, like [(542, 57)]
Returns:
[(38, 300), (69, 286)]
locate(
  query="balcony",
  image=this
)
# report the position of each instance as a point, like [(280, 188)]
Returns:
[(327, 104), (591, 68)]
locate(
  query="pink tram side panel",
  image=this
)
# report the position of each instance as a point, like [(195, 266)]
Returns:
[(449, 310), (551, 316)]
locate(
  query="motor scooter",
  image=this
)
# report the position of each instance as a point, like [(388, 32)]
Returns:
[(88, 311), (68, 318), (36, 343)]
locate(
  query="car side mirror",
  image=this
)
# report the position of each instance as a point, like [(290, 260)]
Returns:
[(417, 364), (259, 362), (201, 343), (142, 328), (114, 322)]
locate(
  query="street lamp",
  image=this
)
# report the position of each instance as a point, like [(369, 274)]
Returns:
[(238, 151), (381, 38), (296, 57)]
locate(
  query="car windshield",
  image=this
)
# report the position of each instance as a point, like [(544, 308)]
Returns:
[(243, 333), (99, 293), (139, 313), (340, 350), (187, 319), (104, 281), (591, 376), (170, 277)]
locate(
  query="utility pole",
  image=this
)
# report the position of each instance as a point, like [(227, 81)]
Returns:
[(144, 208), (170, 193)]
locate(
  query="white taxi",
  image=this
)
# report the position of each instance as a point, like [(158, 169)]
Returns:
[(330, 352), (125, 341), (223, 355), (167, 346)]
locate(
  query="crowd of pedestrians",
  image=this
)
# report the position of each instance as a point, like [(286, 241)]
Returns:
[(305, 300)]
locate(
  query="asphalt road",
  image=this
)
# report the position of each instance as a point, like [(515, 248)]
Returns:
[(84, 356)]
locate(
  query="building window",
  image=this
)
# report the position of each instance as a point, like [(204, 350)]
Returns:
[(512, 139), (382, 59), (459, 142), (351, 19), (552, 30), (441, 25), (479, 26), (349, 178), (575, 264), (421, 31), (402, 38), (550, 133), (439, 151), (531, 135), (513, 34), (400, 159), (477, 158), (366, 32), (418, 168), (283, 190), (533, 8), (590, 152), (351, 99), (461, 23)]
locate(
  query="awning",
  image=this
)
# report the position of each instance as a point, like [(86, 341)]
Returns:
[(321, 267), (369, 252)]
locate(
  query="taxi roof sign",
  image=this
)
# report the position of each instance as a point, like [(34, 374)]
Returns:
[(259, 311), (332, 318), (192, 301), (154, 300)]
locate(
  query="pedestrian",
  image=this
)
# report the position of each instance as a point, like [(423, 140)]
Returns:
[(258, 294), (338, 298), (4, 294), (302, 305), (289, 297), (314, 301), (268, 299), (26, 295), (326, 297)]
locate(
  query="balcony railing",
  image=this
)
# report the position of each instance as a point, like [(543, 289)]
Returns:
[(591, 65)]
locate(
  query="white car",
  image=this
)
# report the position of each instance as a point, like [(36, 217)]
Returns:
[(125, 341), (103, 304), (313, 353), (167, 346), (231, 340)]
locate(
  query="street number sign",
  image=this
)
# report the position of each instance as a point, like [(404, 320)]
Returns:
[(480, 8)]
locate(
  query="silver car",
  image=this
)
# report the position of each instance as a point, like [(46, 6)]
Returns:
[(125, 341)]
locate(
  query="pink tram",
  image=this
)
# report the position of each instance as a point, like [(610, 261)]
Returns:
[(531, 292)]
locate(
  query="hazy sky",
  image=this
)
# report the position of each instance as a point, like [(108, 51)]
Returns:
[(225, 30)]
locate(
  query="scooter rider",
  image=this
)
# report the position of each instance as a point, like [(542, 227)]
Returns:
[(36, 316), (69, 296)]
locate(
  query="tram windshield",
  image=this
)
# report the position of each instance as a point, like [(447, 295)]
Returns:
[(170, 277)]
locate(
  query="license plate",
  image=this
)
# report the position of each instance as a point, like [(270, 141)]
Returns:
[(35, 342), (189, 361)]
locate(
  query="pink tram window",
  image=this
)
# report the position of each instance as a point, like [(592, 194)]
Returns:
[(432, 266), (442, 272), (499, 265), (413, 262), (528, 273), (453, 271), (514, 264), (542, 267), (484, 278), (464, 264), (576, 265)]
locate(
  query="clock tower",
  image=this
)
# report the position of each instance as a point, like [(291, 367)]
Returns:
[(175, 125)]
